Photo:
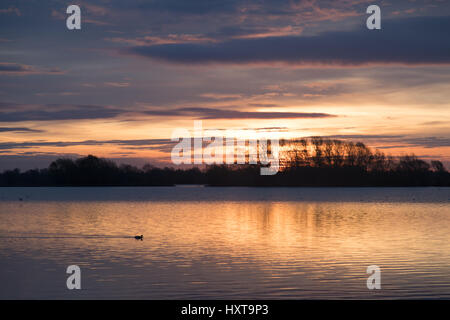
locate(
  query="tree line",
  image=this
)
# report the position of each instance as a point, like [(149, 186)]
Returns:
[(303, 162), (318, 162)]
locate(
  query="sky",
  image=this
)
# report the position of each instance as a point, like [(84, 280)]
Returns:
[(138, 70)]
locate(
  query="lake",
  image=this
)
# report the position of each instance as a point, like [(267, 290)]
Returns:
[(224, 243)]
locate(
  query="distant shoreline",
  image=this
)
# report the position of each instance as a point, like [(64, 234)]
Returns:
[(365, 169)]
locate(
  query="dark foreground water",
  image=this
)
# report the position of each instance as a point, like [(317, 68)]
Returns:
[(224, 243)]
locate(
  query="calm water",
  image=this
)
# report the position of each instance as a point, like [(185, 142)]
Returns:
[(256, 243)]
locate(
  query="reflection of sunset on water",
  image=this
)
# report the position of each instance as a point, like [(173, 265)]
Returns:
[(302, 246)]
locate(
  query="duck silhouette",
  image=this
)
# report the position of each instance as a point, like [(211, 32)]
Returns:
[(141, 237)]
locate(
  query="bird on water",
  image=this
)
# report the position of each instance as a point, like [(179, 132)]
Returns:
[(141, 237)]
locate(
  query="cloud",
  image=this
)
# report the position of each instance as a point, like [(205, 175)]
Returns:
[(8, 68), (428, 142), (95, 9), (228, 32), (18, 129), (412, 41), (14, 68), (113, 84), (191, 7), (155, 40), (363, 136), (58, 15), (149, 143), (91, 11), (97, 22), (166, 145), (436, 123), (117, 84), (13, 112), (11, 9), (402, 140), (210, 113), (303, 10), (63, 94), (221, 96), (263, 105)]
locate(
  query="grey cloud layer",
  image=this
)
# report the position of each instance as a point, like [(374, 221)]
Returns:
[(32, 144), (11, 68), (166, 144), (420, 40), (11, 112), (209, 113), (18, 129)]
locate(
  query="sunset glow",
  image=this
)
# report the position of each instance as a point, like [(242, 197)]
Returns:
[(121, 85)]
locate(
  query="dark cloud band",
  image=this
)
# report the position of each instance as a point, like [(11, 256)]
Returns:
[(11, 112), (18, 129), (210, 113), (419, 40)]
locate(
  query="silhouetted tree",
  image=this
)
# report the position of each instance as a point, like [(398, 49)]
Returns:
[(304, 162)]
